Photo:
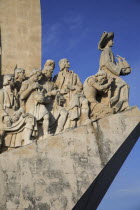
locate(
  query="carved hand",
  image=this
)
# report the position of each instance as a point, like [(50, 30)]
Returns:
[(35, 86), (64, 91), (120, 58), (70, 87), (110, 80), (8, 121), (15, 118)]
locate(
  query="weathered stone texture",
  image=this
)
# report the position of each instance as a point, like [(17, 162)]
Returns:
[(52, 174), (20, 22), (113, 130)]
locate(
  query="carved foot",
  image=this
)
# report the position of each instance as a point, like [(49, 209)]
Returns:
[(59, 130), (47, 135), (27, 142)]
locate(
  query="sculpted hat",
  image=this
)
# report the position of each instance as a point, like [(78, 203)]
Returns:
[(104, 38)]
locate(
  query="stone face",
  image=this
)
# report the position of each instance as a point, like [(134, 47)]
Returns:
[(55, 172), (20, 23)]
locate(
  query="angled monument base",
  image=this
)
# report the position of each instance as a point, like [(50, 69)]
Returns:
[(94, 194), (54, 173)]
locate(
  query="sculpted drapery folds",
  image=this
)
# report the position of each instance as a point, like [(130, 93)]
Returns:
[(42, 104), (13, 124), (107, 57), (71, 87), (54, 100), (67, 81), (94, 88), (78, 108), (119, 88), (32, 99)]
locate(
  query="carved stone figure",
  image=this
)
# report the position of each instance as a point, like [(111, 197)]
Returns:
[(15, 126), (78, 109), (107, 57), (119, 88), (55, 100), (32, 100), (58, 113), (94, 88), (67, 81), (70, 86), (46, 79), (19, 77)]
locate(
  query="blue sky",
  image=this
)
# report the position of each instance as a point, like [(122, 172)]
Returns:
[(72, 29)]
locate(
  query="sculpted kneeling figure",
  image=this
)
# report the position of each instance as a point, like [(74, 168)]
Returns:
[(13, 123), (94, 88)]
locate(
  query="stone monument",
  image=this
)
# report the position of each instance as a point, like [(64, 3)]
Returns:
[(57, 134)]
